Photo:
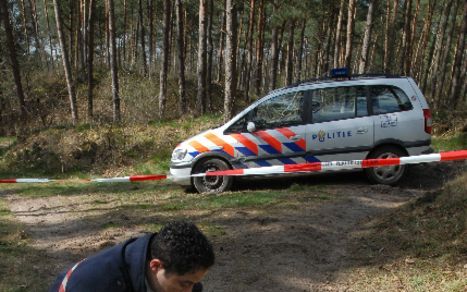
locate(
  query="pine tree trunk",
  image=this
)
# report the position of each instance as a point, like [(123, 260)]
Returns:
[(113, 64), (201, 67), (338, 34), (438, 48), (327, 47), (220, 61), (25, 27), (240, 12), (363, 66), (290, 48), (165, 59), (406, 58), (243, 60), (230, 59), (307, 59), (422, 43), (134, 41), (322, 47), (387, 37), (90, 58), (392, 46), (66, 63), (38, 42), (181, 57), (107, 34), (374, 47), (462, 97), (300, 51), (390, 35), (151, 33), (274, 56), (85, 20), (259, 48), (172, 42), (316, 61), (5, 15), (443, 72), (249, 50), (426, 66), (456, 85), (210, 48), (142, 38), (414, 30), (46, 11), (81, 43), (124, 35), (350, 26), (282, 50)]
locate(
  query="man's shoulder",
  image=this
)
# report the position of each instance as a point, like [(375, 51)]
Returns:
[(104, 271)]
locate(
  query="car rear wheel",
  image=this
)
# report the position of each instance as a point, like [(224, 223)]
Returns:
[(212, 184), (388, 175)]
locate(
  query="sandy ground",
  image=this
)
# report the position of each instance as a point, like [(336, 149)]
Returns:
[(298, 247)]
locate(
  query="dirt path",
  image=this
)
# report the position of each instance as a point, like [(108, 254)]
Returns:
[(297, 247), (302, 249)]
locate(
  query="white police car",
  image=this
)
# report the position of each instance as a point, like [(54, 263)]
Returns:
[(322, 120)]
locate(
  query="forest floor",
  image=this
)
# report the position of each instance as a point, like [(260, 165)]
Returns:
[(333, 232)]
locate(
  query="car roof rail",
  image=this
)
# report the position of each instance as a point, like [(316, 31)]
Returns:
[(327, 78), (375, 75)]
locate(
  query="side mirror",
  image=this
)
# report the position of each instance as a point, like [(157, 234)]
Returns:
[(251, 127)]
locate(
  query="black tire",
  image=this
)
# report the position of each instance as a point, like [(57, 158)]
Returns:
[(212, 184), (388, 175)]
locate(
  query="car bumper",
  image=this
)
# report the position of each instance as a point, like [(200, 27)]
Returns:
[(180, 173)]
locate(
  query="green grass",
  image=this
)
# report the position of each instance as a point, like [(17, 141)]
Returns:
[(7, 140), (5, 144), (76, 152), (241, 200), (452, 142), (430, 231), (398, 276), (211, 230)]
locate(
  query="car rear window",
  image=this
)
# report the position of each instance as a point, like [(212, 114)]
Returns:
[(385, 99)]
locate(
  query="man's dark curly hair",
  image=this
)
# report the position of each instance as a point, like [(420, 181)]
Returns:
[(182, 248)]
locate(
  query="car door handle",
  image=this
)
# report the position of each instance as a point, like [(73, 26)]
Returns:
[(362, 131), (295, 138)]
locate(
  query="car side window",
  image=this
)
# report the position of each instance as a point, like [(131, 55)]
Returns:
[(386, 99), (238, 127), (338, 103), (279, 111)]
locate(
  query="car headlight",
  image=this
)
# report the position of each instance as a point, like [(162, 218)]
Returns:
[(179, 154)]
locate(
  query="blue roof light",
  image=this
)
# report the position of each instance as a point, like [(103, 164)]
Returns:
[(339, 72)]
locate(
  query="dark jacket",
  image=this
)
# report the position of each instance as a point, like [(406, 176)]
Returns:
[(119, 268)]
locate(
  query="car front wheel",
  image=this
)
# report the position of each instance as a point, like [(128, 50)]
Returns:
[(388, 175), (212, 184)]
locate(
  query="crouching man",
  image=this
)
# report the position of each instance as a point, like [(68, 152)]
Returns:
[(175, 259)]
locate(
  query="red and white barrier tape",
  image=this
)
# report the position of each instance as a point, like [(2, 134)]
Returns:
[(133, 178), (288, 168), (25, 180), (340, 165)]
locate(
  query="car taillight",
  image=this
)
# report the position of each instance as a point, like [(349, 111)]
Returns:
[(428, 120)]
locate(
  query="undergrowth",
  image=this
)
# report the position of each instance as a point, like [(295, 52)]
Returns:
[(420, 247)]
